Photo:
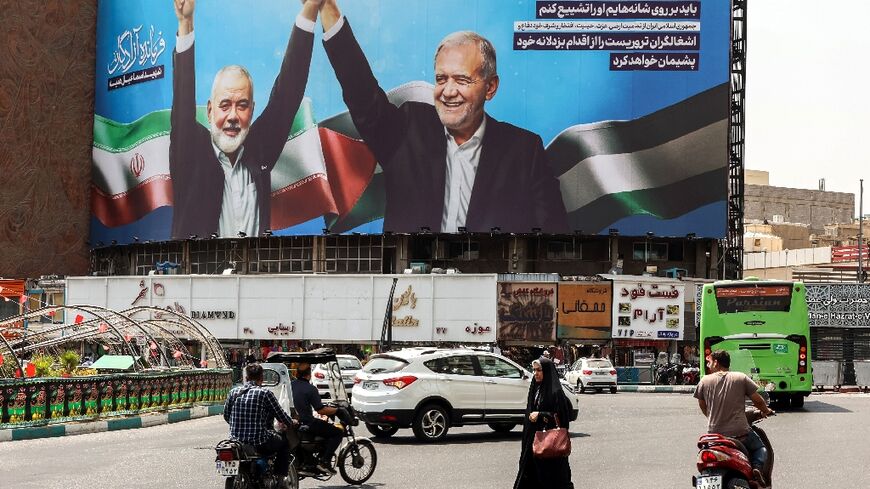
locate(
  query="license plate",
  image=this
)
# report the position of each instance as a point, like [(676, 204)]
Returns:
[(370, 385), (601, 373), (709, 482), (227, 468)]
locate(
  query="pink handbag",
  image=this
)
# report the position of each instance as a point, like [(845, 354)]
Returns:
[(554, 443)]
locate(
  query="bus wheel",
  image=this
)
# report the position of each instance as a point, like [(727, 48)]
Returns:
[(797, 401)]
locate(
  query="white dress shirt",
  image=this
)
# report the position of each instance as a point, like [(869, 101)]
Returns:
[(462, 162)]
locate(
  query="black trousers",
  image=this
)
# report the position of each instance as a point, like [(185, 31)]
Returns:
[(277, 445), (329, 431)]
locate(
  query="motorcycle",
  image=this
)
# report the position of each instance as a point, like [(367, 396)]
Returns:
[(356, 458), (669, 374), (690, 375), (245, 468), (723, 462)]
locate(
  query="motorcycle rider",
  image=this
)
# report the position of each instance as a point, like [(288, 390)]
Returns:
[(306, 401), (251, 411), (721, 396)]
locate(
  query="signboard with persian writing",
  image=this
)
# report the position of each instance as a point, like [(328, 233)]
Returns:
[(839, 305), (651, 310), (527, 312), (584, 310)]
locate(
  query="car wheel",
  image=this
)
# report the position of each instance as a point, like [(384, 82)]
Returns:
[(613, 390), (431, 423), (380, 431), (502, 427)]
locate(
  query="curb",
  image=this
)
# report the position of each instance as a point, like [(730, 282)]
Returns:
[(658, 389), (127, 423)]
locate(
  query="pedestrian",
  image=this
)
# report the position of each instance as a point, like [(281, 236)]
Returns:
[(546, 404)]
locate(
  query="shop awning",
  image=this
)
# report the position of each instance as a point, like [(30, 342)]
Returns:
[(11, 288), (114, 362)]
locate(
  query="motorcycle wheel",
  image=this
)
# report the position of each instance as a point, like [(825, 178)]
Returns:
[(240, 481), (357, 462), (738, 484)]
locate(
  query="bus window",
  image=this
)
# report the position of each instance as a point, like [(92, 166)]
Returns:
[(749, 299)]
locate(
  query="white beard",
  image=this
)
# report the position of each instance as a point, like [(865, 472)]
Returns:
[(225, 143)]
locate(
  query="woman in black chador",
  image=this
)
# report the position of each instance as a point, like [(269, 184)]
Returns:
[(546, 401)]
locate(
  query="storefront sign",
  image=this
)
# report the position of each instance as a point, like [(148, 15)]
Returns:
[(648, 309), (527, 312), (839, 305), (584, 310), (409, 299)]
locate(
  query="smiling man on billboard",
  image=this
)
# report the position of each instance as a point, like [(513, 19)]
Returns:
[(447, 165), (221, 180)]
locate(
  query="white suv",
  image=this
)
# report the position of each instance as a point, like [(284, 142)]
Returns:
[(592, 373), (431, 389)]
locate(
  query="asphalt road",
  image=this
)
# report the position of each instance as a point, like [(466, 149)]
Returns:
[(620, 441)]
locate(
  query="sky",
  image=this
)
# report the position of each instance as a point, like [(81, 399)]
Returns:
[(808, 94)]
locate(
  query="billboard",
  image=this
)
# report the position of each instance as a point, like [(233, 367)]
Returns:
[(645, 308), (584, 310), (322, 308), (527, 312), (592, 116), (839, 305)]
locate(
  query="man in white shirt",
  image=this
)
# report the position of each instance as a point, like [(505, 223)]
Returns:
[(447, 165), (221, 176)]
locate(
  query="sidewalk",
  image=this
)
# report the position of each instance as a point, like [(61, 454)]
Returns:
[(659, 389), (113, 424)]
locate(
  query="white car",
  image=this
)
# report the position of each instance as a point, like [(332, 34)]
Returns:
[(349, 366), (592, 373), (431, 390)]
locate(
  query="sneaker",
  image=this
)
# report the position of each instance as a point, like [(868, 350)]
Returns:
[(325, 467), (756, 474)]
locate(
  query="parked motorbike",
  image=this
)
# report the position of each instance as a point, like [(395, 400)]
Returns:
[(723, 462), (245, 468), (690, 375), (669, 374)]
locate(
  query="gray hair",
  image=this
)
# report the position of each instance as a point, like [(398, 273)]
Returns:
[(237, 69), (487, 51)]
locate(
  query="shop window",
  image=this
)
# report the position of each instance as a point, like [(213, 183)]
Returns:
[(147, 256), (281, 255), (564, 250), (353, 254), (463, 250), (648, 251)]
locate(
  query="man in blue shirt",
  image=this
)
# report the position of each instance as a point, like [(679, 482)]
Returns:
[(306, 401), (251, 411)]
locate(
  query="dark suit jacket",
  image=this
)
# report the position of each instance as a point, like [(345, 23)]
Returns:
[(514, 188), (197, 177)]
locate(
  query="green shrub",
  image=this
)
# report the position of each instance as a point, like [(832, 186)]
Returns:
[(69, 360), (44, 365)]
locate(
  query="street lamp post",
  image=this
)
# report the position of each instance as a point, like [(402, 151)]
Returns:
[(861, 233)]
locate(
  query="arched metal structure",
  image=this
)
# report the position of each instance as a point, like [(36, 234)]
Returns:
[(26, 333)]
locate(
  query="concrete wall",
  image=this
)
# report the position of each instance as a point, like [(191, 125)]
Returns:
[(812, 207)]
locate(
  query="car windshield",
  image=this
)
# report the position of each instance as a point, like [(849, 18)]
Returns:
[(384, 364), (349, 364), (598, 364)]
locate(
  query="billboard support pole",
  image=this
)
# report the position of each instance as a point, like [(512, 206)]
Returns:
[(861, 233), (386, 342), (732, 245)]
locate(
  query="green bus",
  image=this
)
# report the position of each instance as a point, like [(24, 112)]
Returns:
[(764, 325)]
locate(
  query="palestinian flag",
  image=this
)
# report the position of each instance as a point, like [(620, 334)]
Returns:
[(663, 165)]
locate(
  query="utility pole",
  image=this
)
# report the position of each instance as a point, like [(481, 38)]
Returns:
[(861, 234)]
